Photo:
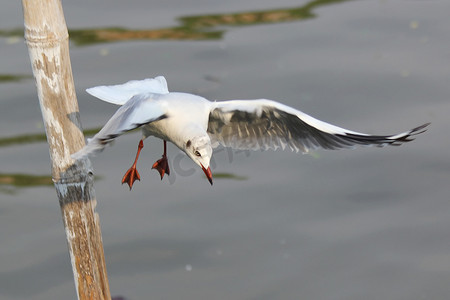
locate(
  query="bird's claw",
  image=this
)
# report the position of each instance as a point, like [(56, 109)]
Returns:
[(131, 176), (162, 166)]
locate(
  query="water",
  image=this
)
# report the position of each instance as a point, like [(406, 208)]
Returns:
[(361, 224)]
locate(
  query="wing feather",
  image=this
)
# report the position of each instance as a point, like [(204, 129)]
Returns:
[(265, 124)]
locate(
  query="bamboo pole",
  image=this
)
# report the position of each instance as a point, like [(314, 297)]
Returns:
[(48, 45)]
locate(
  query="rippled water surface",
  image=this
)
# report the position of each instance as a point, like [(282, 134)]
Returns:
[(356, 224)]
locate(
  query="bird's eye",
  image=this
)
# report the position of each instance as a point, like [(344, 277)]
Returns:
[(197, 153)]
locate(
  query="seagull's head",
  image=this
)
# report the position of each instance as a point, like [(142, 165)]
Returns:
[(199, 149)]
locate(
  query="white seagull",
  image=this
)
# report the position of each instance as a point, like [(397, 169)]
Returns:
[(197, 125)]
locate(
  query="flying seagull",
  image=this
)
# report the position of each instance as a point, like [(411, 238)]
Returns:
[(197, 125)]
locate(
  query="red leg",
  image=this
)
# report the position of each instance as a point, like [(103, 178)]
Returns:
[(132, 174), (162, 165)]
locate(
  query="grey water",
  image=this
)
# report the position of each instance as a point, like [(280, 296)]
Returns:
[(357, 224)]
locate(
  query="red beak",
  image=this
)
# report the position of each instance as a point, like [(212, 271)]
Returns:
[(208, 174)]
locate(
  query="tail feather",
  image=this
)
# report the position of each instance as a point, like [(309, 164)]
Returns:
[(92, 147)]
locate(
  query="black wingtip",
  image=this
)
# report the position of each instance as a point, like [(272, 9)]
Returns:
[(420, 129), (409, 136)]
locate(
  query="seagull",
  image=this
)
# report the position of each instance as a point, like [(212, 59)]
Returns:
[(196, 125)]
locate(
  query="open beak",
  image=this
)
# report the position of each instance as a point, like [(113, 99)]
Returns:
[(208, 174)]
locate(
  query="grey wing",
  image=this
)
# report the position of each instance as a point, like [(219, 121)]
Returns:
[(139, 110), (266, 124)]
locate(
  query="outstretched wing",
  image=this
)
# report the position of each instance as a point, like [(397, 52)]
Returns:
[(266, 124), (121, 93), (139, 110)]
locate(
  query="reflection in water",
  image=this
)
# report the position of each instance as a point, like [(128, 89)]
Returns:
[(25, 180), (13, 78), (199, 27), (12, 33), (229, 176), (10, 182), (193, 27), (35, 138)]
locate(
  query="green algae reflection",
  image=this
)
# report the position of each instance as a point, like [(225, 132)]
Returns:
[(200, 27), (25, 180), (10, 183), (13, 78), (203, 27), (35, 138), (228, 176)]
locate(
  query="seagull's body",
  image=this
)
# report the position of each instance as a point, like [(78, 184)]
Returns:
[(187, 116), (197, 125)]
